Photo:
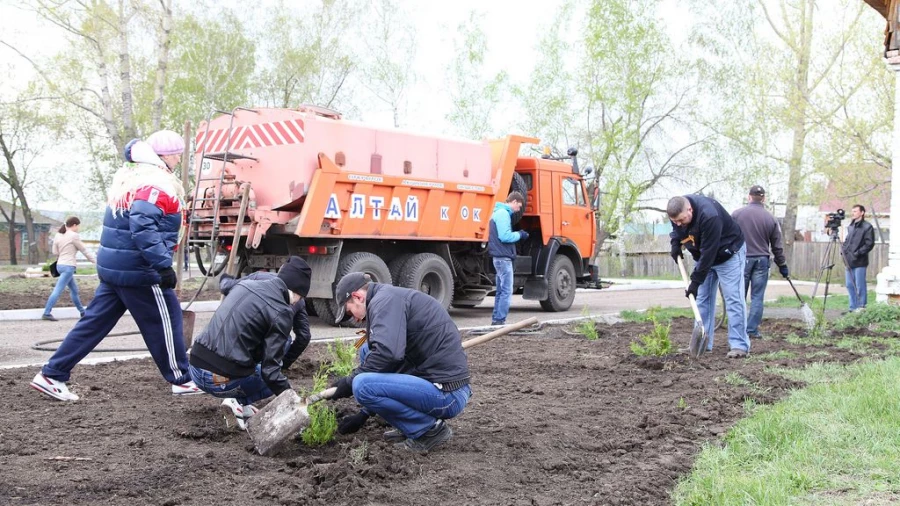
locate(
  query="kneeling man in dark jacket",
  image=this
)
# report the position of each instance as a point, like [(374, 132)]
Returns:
[(239, 356), (413, 371)]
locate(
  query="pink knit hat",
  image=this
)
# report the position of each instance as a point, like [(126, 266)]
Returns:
[(166, 142)]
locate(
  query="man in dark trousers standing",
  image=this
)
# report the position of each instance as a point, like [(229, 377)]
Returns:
[(858, 243), (414, 373), (240, 354), (715, 241), (761, 232)]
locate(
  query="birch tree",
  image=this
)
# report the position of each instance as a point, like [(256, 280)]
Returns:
[(476, 91)]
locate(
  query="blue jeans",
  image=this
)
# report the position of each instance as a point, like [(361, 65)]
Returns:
[(731, 274), (756, 277), (246, 390), (66, 278), (409, 403), (504, 281), (856, 287)]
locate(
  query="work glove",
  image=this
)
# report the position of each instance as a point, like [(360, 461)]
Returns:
[(168, 279), (344, 388), (676, 252), (783, 269), (352, 423), (692, 289), (524, 235)]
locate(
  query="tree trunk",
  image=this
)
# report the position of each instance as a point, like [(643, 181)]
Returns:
[(125, 75), (162, 64), (11, 235), (798, 105)]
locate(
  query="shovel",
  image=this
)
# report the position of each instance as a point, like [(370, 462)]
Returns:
[(805, 311), (288, 414), (699, 339)]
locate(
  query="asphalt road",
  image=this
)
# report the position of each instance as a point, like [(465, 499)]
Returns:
[(19, 331)]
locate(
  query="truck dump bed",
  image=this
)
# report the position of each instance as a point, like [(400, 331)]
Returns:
[(348, 180)]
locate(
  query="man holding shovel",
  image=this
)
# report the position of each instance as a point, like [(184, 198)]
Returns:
[(239, 355), (761, 232), (715, 241), (413, 373)]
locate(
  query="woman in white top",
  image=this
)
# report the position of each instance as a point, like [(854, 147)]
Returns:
[(67, 244)]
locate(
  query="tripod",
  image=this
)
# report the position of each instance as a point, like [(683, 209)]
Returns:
[(828, 264)]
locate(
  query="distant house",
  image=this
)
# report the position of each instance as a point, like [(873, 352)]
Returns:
[(876, 199), (44, 227)]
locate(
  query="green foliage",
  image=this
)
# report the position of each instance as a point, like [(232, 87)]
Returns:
[(213, 60), (322, 417), (656, 314), (655, 343), (588, 328), (834, 442), (682, 404), (476, 91), (360, 454), (879, 317), (343, 357)]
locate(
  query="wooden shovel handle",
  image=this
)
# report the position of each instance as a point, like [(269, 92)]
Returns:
[(687, 283), (324, 394), (506, 329)]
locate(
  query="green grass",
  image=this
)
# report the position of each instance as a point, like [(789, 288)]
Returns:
[(877, 316), (661, 314), (841, 302), (834, 442)]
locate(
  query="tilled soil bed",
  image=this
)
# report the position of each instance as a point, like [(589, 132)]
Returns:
[(555, 419)]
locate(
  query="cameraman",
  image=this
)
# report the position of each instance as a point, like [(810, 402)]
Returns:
[(858, 243)]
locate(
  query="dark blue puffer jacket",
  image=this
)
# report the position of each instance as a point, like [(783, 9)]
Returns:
[(138, 242)]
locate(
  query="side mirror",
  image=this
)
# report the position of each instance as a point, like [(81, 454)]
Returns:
[(588, 171)]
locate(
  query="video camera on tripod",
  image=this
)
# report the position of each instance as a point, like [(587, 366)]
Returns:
[(833, 221)]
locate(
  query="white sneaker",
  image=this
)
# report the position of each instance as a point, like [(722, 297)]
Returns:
[(56, 389), (237, 415), (189, 388)]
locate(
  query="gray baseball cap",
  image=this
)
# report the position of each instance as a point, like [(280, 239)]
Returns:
[(347, 285)]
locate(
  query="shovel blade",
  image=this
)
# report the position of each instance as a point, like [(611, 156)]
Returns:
[(699, 340), (808, 317), (279, 421)]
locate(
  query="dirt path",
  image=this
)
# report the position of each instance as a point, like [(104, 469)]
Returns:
[(555, 419)]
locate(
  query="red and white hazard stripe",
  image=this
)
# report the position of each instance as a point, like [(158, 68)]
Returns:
[(276, 133)]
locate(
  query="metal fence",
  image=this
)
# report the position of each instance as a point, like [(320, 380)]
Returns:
[(806, 263)]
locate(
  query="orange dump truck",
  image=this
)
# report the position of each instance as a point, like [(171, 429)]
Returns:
[(408, 209)]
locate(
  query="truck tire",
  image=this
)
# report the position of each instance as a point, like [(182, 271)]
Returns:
[(396, 266), (561, 280), (430, 274), (360, 261), (518, 185)]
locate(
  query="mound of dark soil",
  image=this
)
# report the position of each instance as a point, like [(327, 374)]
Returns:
[(555, 419)]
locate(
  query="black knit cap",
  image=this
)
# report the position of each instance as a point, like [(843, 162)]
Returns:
[(296, 275), (347, 285)]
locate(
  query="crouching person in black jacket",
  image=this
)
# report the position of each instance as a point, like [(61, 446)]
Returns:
[(239, 356), (413, 371)]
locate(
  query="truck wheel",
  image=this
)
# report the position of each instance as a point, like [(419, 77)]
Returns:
[(561, 280), (429, 273), (361, 261), (518, 185), (396, 266)]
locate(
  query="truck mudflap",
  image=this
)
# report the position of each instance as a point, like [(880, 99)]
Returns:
[(537, 287)]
